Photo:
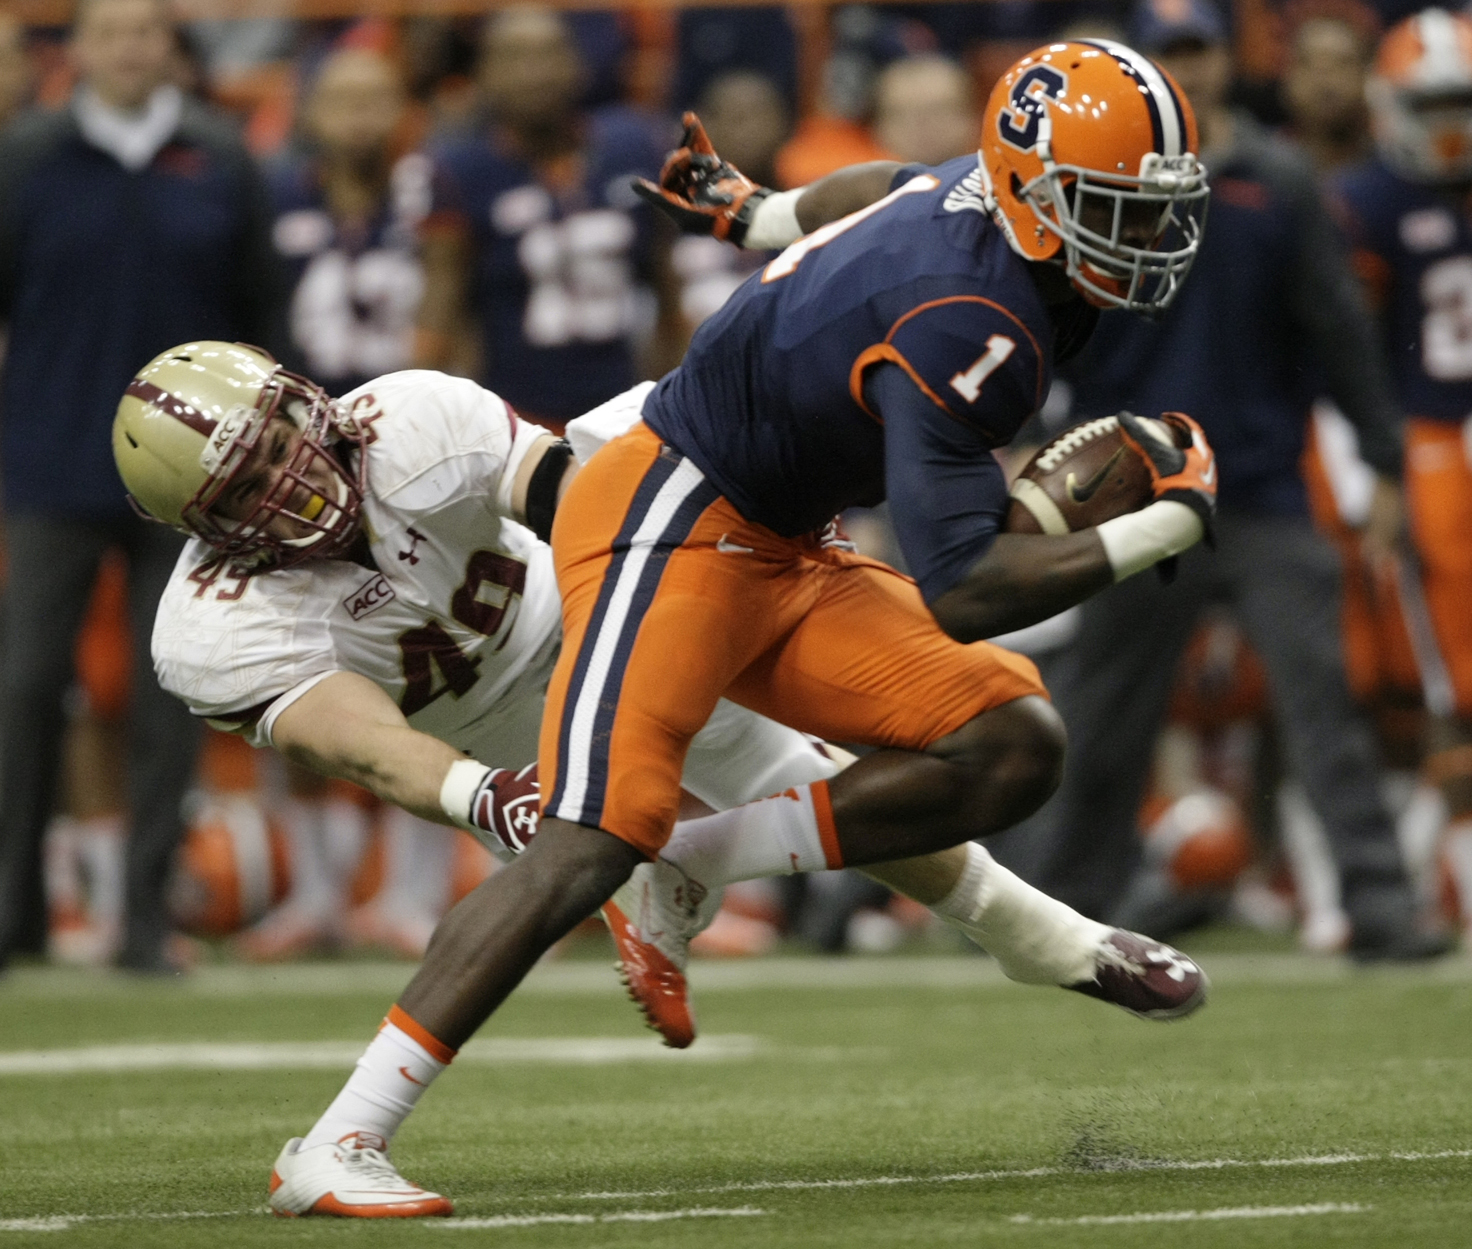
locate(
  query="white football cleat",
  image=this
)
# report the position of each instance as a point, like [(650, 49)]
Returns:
[(653, 917), (351, 1178)]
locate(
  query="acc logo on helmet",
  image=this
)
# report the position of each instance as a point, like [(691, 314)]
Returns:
[(1027, 104)]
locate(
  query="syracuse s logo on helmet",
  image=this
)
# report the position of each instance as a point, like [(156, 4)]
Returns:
[(1018, 122)]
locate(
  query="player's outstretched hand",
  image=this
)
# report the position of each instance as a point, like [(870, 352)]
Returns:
[(702, 193), (1184, 469)]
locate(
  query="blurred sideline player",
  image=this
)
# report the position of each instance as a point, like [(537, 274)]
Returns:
[(372, 256), (377, 608), (937, 307), (1407, 211), (563, 263), (746, 115), (85, 840), (1331, 48), (923, 111)]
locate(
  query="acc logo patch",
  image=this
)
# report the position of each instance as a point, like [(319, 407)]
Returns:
[(1018, 122), (369, 597)]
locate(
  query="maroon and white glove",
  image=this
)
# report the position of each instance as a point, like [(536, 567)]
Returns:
[(702, 193), (501, 808)]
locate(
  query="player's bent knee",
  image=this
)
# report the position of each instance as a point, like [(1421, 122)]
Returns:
[(1015, 752)]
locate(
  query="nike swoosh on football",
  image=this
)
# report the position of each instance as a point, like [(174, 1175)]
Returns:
[(1082, 494)]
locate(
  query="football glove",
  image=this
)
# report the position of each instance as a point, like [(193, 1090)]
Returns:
[(702, 193), (1185, 471), (508, 806)]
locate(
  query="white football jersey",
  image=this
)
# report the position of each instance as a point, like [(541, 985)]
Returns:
[(461, 605), (460, 622)]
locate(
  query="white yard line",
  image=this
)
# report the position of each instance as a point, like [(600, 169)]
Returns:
[(305, 1055), (1030, 1173), (62, 1222), (1193, 1216), (616, 1216), (584, 978)]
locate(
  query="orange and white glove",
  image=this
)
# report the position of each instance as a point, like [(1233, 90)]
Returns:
[(1183, 479), (1185, 471), (704, 194)]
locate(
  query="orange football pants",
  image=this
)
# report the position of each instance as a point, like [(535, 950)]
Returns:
[(1439, 501), (671, 599), (1378, 656)]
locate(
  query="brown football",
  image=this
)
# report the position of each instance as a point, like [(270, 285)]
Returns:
[(1085, 476)]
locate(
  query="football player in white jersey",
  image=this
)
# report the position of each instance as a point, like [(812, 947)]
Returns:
[(367, 592)]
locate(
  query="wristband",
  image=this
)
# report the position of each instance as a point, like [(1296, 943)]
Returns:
[(459, 788), (774, 223), (1138, 539)]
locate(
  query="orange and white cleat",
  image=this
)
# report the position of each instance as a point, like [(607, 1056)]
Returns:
[(653, 918), (351, 1178)]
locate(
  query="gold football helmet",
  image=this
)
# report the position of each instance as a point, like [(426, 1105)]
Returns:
[(189, 421)]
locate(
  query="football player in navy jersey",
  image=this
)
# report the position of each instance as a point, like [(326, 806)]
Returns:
[(1407, 213), (364, 229), (887, 351), (563, 256)]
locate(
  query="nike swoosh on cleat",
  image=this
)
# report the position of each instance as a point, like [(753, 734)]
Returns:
[(1082, 494)]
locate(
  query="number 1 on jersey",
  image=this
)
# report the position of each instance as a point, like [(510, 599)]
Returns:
[(968, 384)]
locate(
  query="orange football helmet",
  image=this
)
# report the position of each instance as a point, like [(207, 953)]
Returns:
[(1088, 154), (1420, 97)]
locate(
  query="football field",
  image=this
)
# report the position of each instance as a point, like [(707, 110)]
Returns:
[(863, 1102)]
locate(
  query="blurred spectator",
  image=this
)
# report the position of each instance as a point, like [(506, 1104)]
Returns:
[(1331, 44), (568, 269), (130, 221), (1272, 281), (367, 257), (1406, 210), (838, 134), (747, 120), (15, 69), (924, 111), (717, 42)]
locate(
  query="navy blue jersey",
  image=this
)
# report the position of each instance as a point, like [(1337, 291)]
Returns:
[(354, 292), (557, 268), (1415, 244), (770, 402)]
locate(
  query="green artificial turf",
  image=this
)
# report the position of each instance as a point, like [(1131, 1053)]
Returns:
[(977, 1103)]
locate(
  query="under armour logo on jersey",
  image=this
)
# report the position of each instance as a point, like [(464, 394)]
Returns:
[(1028, 104), (415, 538)]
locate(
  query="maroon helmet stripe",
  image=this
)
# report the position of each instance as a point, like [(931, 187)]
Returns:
[(172, 404)]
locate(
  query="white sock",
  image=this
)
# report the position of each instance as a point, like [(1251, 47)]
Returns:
[(102, 840), (391, 1076), (791, 832), (1418, 829), (1458, 850), (1311, 862), (417, 860), (344, 836), (1035, 939), (313, 890), (63, 868)]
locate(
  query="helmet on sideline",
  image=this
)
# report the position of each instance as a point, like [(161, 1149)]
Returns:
[(1420, 97), (1093, 130), (188, 423)]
